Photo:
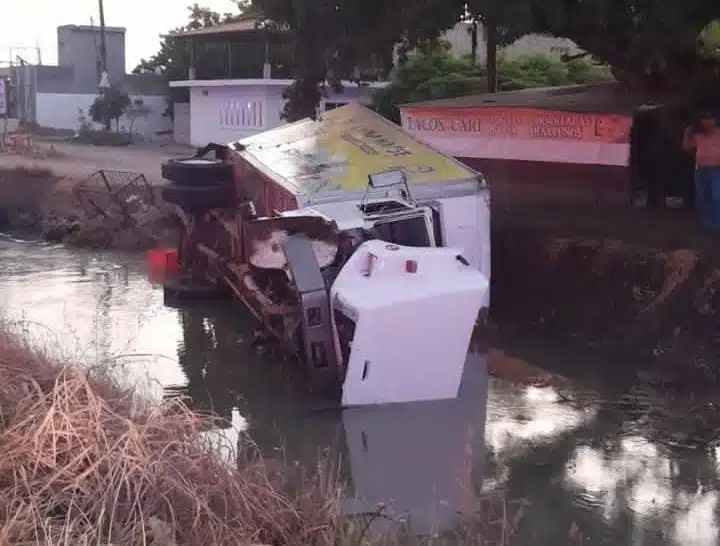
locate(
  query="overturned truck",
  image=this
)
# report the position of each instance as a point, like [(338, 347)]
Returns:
[(363, 251)]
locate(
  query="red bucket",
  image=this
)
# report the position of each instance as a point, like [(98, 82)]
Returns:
[(163, 260)]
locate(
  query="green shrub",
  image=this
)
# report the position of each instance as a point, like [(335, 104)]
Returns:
[(438, 75), (109, 106), (539, 71)]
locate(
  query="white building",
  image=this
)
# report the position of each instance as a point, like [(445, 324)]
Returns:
[(224, 110), (460, 39), (221, 110)]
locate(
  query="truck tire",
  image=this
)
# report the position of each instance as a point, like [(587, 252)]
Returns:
[(199, 198), (193, 171), (180, 290)]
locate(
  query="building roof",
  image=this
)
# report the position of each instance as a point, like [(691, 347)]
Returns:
[(605, 97), (267, 82), (224, 29), (93, 28)]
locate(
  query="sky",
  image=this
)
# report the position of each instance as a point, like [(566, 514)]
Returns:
[(27, 23)]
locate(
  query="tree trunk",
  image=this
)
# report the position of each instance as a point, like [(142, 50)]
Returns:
[(491, 46), (304, 95), (474, 41)]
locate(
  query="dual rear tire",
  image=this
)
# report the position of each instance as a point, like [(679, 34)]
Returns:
[(197, 185)]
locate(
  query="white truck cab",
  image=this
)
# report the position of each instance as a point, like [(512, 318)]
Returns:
[(404, 305), (404, 317)]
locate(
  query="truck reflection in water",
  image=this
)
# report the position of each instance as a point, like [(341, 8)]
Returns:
[(416, 460)]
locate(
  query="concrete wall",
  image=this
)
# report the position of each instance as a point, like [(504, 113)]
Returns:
[(181, 122), (79, 47), (52, 95), (78, 69), (62, 111), (226, 113), (59, 79), (533, 44), (62, 79)]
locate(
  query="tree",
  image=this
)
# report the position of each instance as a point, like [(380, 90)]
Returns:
[(710, 39), (110, 106), (332, 40), (503, 23), (173, 60), (650, 44), (429, 75)]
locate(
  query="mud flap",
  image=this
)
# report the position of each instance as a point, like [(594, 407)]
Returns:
[(318, 342)]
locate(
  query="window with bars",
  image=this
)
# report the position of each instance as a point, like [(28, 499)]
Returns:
[(242, 114)]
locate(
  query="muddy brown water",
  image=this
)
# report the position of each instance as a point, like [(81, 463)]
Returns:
[(582, 453)]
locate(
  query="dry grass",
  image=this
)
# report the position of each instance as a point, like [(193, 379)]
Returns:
[(83, 463)]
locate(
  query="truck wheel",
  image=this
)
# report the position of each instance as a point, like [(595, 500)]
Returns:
[(179, 290), (199, 198), (192, 171)]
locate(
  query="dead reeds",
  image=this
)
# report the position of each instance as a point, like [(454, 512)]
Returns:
[(85, 462), (82, 462)]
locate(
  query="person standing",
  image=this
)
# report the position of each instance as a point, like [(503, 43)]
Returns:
[(704, 139)]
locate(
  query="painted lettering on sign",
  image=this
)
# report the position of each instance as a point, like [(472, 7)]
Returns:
[(558, 126), (522, 123), (455, 125)]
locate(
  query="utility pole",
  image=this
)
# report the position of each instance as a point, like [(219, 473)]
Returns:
[(104, 80), (103, 39)]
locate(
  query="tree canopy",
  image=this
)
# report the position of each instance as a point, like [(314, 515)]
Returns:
[(653, 44), (648, 43), (174, 58)]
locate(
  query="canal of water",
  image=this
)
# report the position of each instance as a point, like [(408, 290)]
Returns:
[(584, 455)]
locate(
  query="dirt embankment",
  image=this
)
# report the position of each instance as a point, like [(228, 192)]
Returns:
[(38, 202), (630, 298)]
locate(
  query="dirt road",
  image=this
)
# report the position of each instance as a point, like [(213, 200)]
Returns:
[(78, 161)]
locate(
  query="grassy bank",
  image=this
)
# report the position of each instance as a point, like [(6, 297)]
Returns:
[(657, 305), (38, 202), (86, 462)]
